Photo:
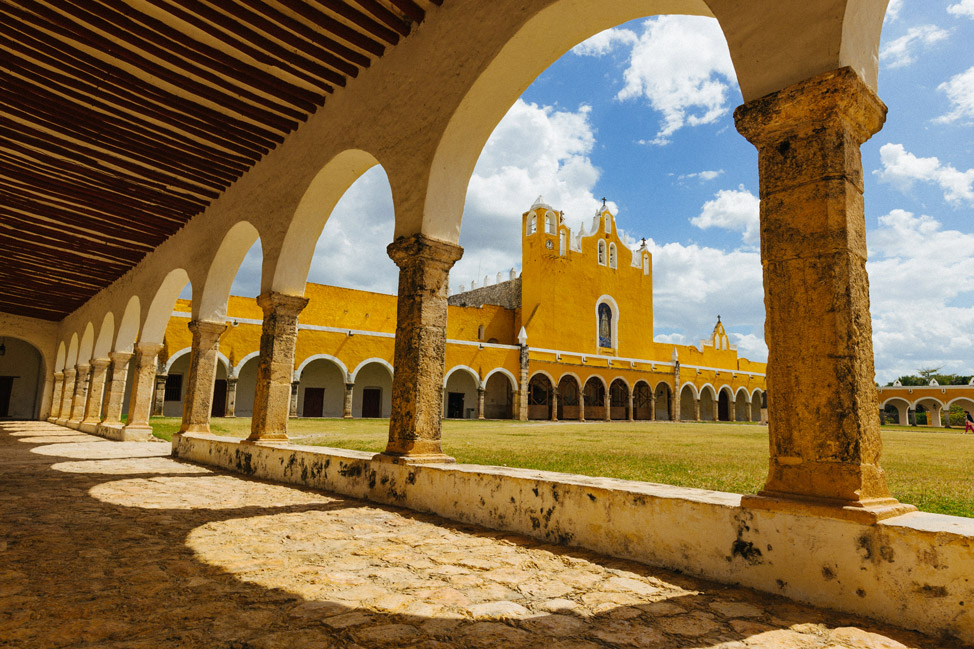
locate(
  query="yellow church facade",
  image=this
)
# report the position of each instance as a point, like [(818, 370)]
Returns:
[(570, 338)]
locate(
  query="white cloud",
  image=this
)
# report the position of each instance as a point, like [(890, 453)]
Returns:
[(732, 209), (692, 284), (902, 169), (902, 51), (893, 10), (960, 93), (921, 283), (534, 150), (605, 41), (679, 64), (702, 175), (962, 8)]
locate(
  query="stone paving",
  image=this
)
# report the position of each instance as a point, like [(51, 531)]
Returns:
[(116, 545)]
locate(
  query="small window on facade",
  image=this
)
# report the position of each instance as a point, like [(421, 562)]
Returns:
[(605, 325), (608, 223), (533, 224), (174, 387), (480, 332), (602, 252), (612, 255), (645, 264), (564, 244), (549, 223)]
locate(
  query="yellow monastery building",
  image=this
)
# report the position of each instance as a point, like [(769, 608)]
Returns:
[(576, 328)]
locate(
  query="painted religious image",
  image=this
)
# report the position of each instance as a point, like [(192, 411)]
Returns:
[(605, 326)]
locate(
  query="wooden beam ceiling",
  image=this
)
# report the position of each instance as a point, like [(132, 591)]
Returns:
[(122, 119)]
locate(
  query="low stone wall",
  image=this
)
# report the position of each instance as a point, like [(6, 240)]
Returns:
[(914, 570)]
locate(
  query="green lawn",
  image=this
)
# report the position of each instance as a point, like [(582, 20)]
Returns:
[(933, 470)]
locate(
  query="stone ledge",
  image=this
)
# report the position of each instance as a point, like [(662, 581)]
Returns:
[(911, 570)]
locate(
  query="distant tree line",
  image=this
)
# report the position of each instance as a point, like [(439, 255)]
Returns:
[(923, 376)]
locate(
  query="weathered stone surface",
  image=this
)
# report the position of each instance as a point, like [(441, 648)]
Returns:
[(275, 367), (201, 375), (140, 401), (424, 270), (116, 545)]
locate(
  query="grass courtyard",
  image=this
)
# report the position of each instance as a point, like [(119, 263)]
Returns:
[(933, 470)]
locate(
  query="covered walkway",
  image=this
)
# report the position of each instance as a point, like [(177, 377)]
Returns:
[(115, 544)]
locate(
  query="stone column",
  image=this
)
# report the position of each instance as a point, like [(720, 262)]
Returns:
[(696, 409), (275, 368), (200, 378), (67, 396), (581, 404), (115, 387), (933, 417), (80, 396), (347, 404), (911, 415), (632, 415), (420, 352), (230, 409), (652, 404), (824, 437), (607, 406), (56, 396), (96, 395), (294, 398), (140, 401), (480, 403), (522, 396), (159, 398)]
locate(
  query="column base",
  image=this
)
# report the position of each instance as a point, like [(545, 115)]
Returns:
[(867, 511), (73, 424), (195, 428), (418, 458), (122, 433), (267, 440), (90, 427)]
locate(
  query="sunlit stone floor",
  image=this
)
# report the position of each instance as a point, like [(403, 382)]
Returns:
[(111, 544)]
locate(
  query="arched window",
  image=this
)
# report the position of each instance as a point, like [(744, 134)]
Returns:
[(605, 325), (564, 244), (608, 223), (480, 332), (612, 255), (602, 252), (533, 224), (549, 223), (645, 264)]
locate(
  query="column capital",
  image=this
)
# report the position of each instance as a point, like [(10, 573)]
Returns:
[(206, 328), (408, 250), (82, 367), (59, 375), (70, 371), (834, 97), (281, 303), (120, 357), (148, 349), (100, 363)]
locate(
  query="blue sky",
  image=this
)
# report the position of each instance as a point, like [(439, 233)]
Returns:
[(643, 115)]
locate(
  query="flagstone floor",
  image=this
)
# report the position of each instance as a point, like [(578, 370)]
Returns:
[(110, 545)]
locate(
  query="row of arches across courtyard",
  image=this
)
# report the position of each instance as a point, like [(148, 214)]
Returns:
[(599, 399)]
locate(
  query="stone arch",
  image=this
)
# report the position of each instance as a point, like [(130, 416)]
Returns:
[(499, 390), (72, 357), (245, 373), (220, 357), (540, 388), (289, 267), (212, 304), (662, 395), (318, 357), (613, 256), (602, 255), (505, 372), (106, 336), (619, 392), (933, 408), (321, 386), (899, 406), (688, 402), (372, 392), (62, 353), (742, 409), (128, 328), (595, 393), (642, 395), (460, 392), (707, 396), (569, 394), (87, 345), (756, 404), (160, 309), (462, 368), (26, 364), (725, 404), (235, 370)]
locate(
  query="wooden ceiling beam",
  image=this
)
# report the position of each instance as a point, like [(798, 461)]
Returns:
[(327, 23)]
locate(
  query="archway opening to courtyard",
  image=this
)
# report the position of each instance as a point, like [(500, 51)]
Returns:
[(321, 388), (539, 397), (756, 398), (725, 405), (663, 397), (741, 408), (688, 403), (499, 392), (708, 409), (372, 391), (460, 394), (619, 399), (176, 370), (642, 401)]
